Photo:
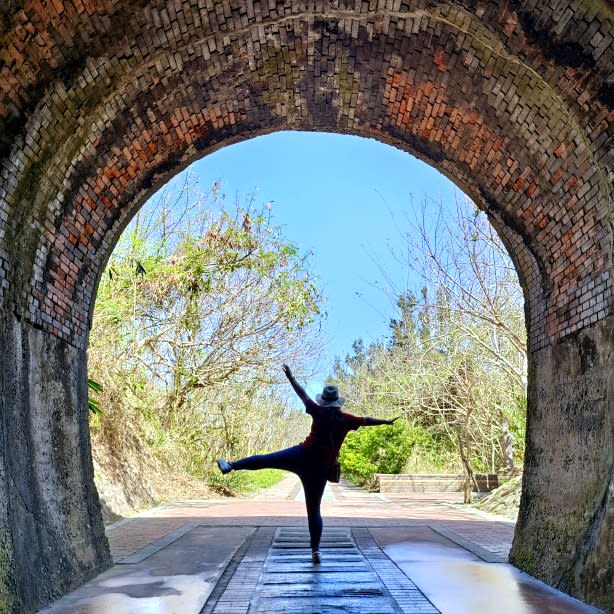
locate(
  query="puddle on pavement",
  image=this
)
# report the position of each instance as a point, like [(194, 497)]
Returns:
[(143, 593), (458, 582), (177, 579)]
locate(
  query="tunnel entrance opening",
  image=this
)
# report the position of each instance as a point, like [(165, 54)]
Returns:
[(449, 291)]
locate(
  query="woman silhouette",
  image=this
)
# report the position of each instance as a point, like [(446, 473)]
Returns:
[(315, 460)]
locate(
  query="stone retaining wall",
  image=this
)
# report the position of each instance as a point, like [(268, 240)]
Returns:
[(432, 483)]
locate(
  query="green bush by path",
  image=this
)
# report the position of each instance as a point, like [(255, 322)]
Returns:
[(382, 449)]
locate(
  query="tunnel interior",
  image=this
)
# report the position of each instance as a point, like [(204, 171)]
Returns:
[(101, 103)]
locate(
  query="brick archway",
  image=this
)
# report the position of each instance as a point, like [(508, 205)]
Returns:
[(100, 103)]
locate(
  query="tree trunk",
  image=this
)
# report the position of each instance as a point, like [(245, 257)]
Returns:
[(469, 476)]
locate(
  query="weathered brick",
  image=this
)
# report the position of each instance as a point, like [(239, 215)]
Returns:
[(470, 90)]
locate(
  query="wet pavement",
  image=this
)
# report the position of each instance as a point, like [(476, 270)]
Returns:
[(176, 574), (458, 581), (347, 580), (380, 554)]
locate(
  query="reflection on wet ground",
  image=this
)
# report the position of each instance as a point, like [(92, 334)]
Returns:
[(458, 582), (167, 577), (379, 555)]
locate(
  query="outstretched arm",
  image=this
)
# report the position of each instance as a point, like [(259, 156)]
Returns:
[(300, 391), (376, 421)]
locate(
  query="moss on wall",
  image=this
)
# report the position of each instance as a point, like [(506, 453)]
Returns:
[(9, 602), (563, 534)]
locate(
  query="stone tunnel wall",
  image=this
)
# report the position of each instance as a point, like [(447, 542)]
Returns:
[(102, 102), (500, 100), (50, 536), (565, 530)]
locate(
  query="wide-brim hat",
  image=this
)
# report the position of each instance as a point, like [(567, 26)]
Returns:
[(330, 397)]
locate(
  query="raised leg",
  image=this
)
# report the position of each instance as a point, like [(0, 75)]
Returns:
[(289, 459)]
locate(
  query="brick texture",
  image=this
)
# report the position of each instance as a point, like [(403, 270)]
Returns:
[(102, 102)]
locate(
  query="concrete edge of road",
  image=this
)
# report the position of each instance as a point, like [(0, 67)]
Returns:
[(490, 516), (140, 555), (467, 544)]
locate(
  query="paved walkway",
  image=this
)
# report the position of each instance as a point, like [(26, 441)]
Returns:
[(381, 554)]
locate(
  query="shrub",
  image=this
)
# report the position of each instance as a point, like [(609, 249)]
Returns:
[(382, 449)]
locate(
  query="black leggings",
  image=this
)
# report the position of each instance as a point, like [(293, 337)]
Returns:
[(313, 479)]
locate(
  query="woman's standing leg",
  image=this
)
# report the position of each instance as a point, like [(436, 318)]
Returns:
[(313, 485)]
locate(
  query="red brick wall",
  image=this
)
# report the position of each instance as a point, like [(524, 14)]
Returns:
[(101, 102)]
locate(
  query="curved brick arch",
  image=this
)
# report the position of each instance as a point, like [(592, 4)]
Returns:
[(102, 102)]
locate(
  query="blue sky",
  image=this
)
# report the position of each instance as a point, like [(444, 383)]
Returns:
[(346, 200)]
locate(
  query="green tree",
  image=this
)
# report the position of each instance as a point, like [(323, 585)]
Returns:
[(455, 363), (197, 308)]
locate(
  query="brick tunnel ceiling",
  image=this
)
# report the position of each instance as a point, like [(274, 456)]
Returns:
[(103, 101)]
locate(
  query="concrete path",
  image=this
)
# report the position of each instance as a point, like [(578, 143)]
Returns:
[(380, 554)]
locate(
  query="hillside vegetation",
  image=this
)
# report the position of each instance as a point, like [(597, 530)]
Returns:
[(196, 310), (200, 304), (454, 364)]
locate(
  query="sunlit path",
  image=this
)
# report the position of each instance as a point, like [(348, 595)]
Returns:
[(398, 554)]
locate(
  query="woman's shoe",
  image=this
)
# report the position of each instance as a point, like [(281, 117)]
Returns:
[(315, 557), (225, 467)]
